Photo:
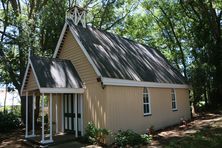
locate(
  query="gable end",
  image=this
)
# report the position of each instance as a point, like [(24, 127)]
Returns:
[(72, 51)]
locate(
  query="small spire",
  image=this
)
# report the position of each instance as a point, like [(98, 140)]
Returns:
[(30, 53), (77, 15)]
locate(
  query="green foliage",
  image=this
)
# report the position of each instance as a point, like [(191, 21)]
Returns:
[(146, 139), (16, 110), (129, 137), (96, 135), (107, 15), (8, 122)]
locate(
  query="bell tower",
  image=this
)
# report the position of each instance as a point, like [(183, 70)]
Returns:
[(77, 15)]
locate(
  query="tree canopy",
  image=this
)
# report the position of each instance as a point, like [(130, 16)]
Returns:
[(187, 32)]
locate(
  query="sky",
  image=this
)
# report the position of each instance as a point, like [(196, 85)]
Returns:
[(13, 98)]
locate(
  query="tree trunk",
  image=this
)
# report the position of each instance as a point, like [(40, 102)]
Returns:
[(6, 91), (205, 96), (23, 109)]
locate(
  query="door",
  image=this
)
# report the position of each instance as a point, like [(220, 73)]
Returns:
[(73, 113)]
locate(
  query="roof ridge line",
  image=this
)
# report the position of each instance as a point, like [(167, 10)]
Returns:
[(49, 58)]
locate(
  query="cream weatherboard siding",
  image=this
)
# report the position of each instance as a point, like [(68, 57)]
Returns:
[(32, 84), (54, 112), (71, 51), (125, 108), (95, 105), (94, 101)]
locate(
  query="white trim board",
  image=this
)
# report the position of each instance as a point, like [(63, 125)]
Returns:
[(32, 69), (85, 52), (80, 44), (60, 40), (26, 72), (61, 90), (121, 82)]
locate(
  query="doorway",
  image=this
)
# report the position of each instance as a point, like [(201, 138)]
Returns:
[(72, 113)]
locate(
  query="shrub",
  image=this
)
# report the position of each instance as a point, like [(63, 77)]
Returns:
[(8, 121), (96, 135), (146, 139), (129, 137)]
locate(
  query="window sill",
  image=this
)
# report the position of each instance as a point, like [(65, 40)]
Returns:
[(145, 115), (174, 110)]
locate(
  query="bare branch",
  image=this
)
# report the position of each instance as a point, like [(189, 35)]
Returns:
[(7, 35), (177, 41)]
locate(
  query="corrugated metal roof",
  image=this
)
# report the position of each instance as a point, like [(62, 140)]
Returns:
[(121, 58), (55, 73)]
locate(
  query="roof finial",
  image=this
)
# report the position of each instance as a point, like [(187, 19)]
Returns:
[(30, 53), (77, 15)]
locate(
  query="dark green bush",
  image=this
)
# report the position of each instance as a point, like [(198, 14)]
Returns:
[(8, 121), (129, 137), (95, 135)]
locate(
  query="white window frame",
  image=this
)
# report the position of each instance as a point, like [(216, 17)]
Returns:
[(173, 92), (145, 103)]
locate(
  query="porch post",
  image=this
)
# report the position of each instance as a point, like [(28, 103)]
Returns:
[(26, 119), (62, 112), (42, 141), (57, 130), (76, 116), (50, 116), (81, 106), (33, 115)]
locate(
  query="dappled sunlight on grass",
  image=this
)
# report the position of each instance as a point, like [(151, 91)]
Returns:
[(204, 131), (210, 137)]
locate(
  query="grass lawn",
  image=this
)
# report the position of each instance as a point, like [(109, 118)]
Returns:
[(211, 137), (203, 132)]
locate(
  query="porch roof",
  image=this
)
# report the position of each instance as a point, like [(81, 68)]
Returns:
[(55, 75)]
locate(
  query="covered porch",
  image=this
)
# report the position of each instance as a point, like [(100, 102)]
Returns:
[(64, 113), (60, 89)]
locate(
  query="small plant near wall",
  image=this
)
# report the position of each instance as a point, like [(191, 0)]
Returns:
[(151, 131), (96, 135), (146, 139), (130, 138)]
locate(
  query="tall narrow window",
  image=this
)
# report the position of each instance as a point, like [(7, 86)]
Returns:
[(146, 102), (173, 97)]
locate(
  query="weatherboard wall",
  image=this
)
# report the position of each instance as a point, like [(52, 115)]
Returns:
[(125, 108), (59, 109), (94, 101), (31, 85), (71, 51), (95, 105)]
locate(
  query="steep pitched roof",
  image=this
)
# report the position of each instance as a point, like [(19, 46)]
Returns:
[(55, 73), (120, 58)]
